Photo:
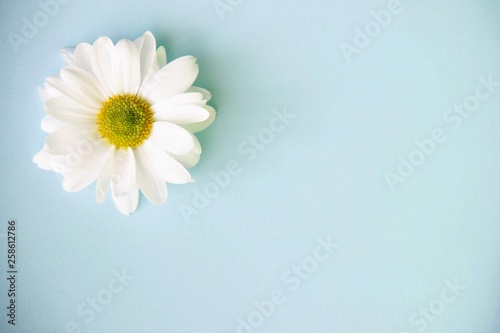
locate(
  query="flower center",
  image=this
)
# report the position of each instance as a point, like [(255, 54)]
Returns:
[(125, 120)]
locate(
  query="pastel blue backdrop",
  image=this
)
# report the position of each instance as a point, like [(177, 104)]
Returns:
[(424, 256)]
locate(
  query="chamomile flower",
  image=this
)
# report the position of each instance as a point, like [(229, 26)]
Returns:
[(120, 116)]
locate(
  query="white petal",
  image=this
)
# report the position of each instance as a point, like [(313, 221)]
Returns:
[(185, 98), (86, 172), (172, 79), (193, 128), (180, 114), (159, 61), (150, 183), (146, 45), (79, 85), (56, 163), (127, 202), (72, 138), (123, 181), (68, 56), (127, 68), (123, 175), (42, 159), (188, 160), (192, 158), (166, 167), (206, 94), (104, 179), (68, 110), (83, 54), (50, 124), (197, 146), (42, 91), (101, 58), (47, 92), (161, 57), (171, 138)]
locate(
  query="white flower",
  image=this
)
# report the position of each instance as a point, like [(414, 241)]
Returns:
[(121, 116)]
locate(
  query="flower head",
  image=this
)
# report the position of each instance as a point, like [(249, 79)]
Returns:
[(120, 116)]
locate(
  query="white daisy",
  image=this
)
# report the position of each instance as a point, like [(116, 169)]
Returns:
[(121, 116)]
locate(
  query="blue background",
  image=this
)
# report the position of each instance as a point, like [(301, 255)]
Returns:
[(323, 174)]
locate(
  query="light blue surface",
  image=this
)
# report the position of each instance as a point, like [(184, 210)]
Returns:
[(322, 174)]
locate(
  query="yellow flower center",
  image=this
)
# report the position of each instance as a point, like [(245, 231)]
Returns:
[(125, 120)]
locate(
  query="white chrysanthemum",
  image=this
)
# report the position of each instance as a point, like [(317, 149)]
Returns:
[(121, 116)]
